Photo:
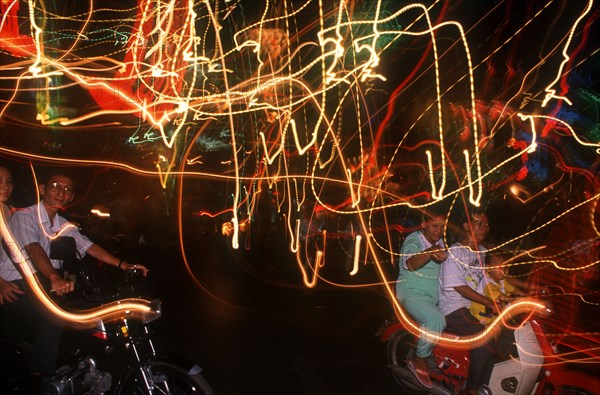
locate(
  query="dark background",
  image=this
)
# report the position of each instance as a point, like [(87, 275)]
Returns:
[(245, 315)]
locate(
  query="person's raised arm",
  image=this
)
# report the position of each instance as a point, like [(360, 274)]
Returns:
[(417, 261)]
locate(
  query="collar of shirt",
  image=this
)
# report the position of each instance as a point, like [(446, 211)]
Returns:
[(426, 243)]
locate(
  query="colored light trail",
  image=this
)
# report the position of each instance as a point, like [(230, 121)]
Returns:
[(125, 308), (351, 116)]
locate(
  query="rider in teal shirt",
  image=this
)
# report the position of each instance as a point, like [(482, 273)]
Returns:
[(418, 284)]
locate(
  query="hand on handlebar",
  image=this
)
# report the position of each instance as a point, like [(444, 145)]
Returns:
[(61, 286), (134, 266), (495, 306)]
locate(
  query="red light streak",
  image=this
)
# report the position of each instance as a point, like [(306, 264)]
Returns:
[(284, 110)]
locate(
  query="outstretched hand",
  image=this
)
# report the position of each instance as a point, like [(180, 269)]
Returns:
[(438, 254)]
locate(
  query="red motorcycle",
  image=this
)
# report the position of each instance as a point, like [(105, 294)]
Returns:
[(539, 368)]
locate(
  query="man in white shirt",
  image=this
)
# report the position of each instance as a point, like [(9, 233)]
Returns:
[(459, 277), (34, 228)]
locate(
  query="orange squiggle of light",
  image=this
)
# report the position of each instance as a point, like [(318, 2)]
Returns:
[(331, 78), (318, 264), (131, 307)]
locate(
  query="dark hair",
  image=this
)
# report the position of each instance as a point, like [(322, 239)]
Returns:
[(499, 254), (47, 174), (472, 212), (6, 166)]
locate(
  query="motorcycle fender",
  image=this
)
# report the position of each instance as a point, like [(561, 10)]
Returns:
[(182, 362), (409, 379), (388, 330)]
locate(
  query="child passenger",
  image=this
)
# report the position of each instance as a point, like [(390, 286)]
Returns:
[(495, 286)]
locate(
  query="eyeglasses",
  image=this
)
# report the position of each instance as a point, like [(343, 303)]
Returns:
[(56, 187)]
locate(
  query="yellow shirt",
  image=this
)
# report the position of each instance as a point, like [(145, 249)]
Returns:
[(492, 290)]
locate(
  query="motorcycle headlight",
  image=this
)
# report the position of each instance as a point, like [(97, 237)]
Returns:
[(154, 313)]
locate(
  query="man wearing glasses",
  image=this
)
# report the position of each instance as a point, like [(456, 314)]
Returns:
[(459, 277), (34, 228)]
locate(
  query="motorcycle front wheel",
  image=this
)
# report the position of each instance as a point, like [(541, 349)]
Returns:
[(165, 378)]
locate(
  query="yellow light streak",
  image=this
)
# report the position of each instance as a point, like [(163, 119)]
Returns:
[(100, 213), (550, 92), (302, 90), (357, 241), (533, 145), (131, 307)]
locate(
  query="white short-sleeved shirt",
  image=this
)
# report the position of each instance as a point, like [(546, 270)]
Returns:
[(463, 267), (31, 225), (4, 260)]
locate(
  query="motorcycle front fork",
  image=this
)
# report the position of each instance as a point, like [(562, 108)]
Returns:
[(144, 368)]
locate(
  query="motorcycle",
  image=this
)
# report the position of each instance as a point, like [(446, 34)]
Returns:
[(534, 371), (117, 357)]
